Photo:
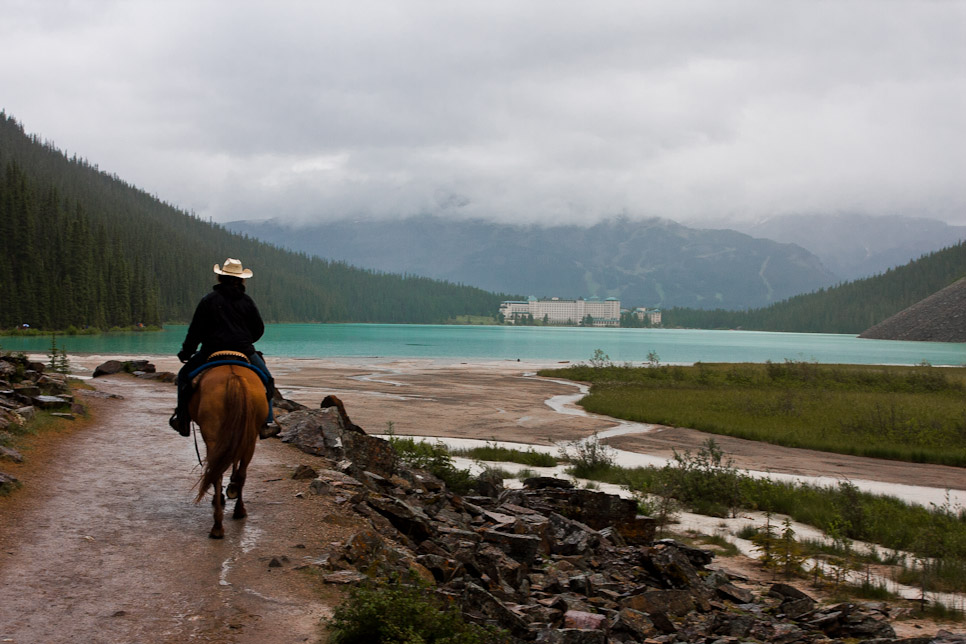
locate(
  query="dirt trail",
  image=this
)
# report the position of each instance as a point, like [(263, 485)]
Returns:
[(105, 544)]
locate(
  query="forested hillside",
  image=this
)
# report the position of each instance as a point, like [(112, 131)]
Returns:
[(81, 247), (848, 308)]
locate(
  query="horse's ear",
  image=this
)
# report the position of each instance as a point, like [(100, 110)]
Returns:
[(334, 401)]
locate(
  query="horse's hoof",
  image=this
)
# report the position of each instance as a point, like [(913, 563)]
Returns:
[(239, 515), (216, 535), (232, 491)]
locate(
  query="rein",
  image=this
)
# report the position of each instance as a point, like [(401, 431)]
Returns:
[(194, 431)]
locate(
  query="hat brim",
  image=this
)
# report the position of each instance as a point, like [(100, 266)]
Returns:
[(245, 274)]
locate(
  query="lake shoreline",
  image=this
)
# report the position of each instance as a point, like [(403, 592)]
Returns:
[(506, 401), (543, 345)]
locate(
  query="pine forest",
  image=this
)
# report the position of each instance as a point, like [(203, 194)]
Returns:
[(79, 248)]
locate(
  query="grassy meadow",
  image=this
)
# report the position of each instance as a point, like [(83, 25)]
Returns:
[(902, 413)]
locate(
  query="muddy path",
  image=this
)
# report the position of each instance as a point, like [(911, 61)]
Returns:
[(105, 544)]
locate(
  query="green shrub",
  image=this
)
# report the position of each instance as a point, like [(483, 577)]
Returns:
[(435, 459), (708, 482), (589, 458), (402, 614), (492, 452)]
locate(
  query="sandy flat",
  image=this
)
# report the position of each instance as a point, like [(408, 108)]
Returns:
[(506, 401)]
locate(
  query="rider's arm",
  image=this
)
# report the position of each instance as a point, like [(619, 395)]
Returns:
[(195, 331)]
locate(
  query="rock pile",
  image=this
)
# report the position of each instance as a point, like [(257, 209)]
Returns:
[(138, 368), (548, 563), (25, 388)]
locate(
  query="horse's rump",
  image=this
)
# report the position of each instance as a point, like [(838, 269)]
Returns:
[(229, 406)]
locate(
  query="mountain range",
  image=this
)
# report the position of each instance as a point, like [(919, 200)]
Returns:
[(653, 263)]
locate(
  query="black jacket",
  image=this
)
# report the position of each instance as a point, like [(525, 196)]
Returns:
[(226, 319)]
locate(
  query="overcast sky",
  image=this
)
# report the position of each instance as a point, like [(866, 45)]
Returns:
[(548, 111)]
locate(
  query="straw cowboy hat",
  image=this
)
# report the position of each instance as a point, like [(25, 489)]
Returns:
[(233, 268)]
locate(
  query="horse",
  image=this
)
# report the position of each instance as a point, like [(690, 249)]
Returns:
[(229, 405)]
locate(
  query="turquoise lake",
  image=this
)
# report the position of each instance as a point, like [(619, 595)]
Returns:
[(479, 343)]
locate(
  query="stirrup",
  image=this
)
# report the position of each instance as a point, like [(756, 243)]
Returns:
[(177, 425), (269, 429)]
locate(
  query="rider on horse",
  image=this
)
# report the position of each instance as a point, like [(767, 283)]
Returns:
[(226, 320)]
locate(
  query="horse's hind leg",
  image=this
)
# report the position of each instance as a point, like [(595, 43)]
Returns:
[(218, 502), (238, 476)]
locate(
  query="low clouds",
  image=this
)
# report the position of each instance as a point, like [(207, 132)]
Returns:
[(537, 111)]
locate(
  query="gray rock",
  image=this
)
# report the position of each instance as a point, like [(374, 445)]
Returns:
[(323, 432), (8, 482), (304, 472), (50, 402), (107, 368)]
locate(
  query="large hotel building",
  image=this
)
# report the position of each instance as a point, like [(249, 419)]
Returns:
[(564, 312)]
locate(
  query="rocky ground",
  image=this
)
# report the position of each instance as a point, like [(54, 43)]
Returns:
[(550, 563)]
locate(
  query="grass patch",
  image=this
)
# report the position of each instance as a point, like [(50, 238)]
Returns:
[(915, 414), (939, 574), (19, 436), (492, 452), (721, 544), (866, 591), (941, 613), (403, 614), (435, 459)]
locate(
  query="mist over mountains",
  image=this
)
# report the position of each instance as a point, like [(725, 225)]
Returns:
[(854, 246), (653, 263)]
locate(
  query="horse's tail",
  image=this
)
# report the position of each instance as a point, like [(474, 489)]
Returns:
[(239, 426)]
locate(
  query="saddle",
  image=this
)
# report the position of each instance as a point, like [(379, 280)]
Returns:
[(234, 358), (227, 357)]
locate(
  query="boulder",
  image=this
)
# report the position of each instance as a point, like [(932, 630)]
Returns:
[(7, 368), (108, 368), (489, 484), (584, 620), (598, 510), (323, 432), (51, 402)]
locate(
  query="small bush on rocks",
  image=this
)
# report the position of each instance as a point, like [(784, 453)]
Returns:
[(397, 613), (435, 459)]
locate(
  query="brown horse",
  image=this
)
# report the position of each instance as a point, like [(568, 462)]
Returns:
[(229, 405)]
